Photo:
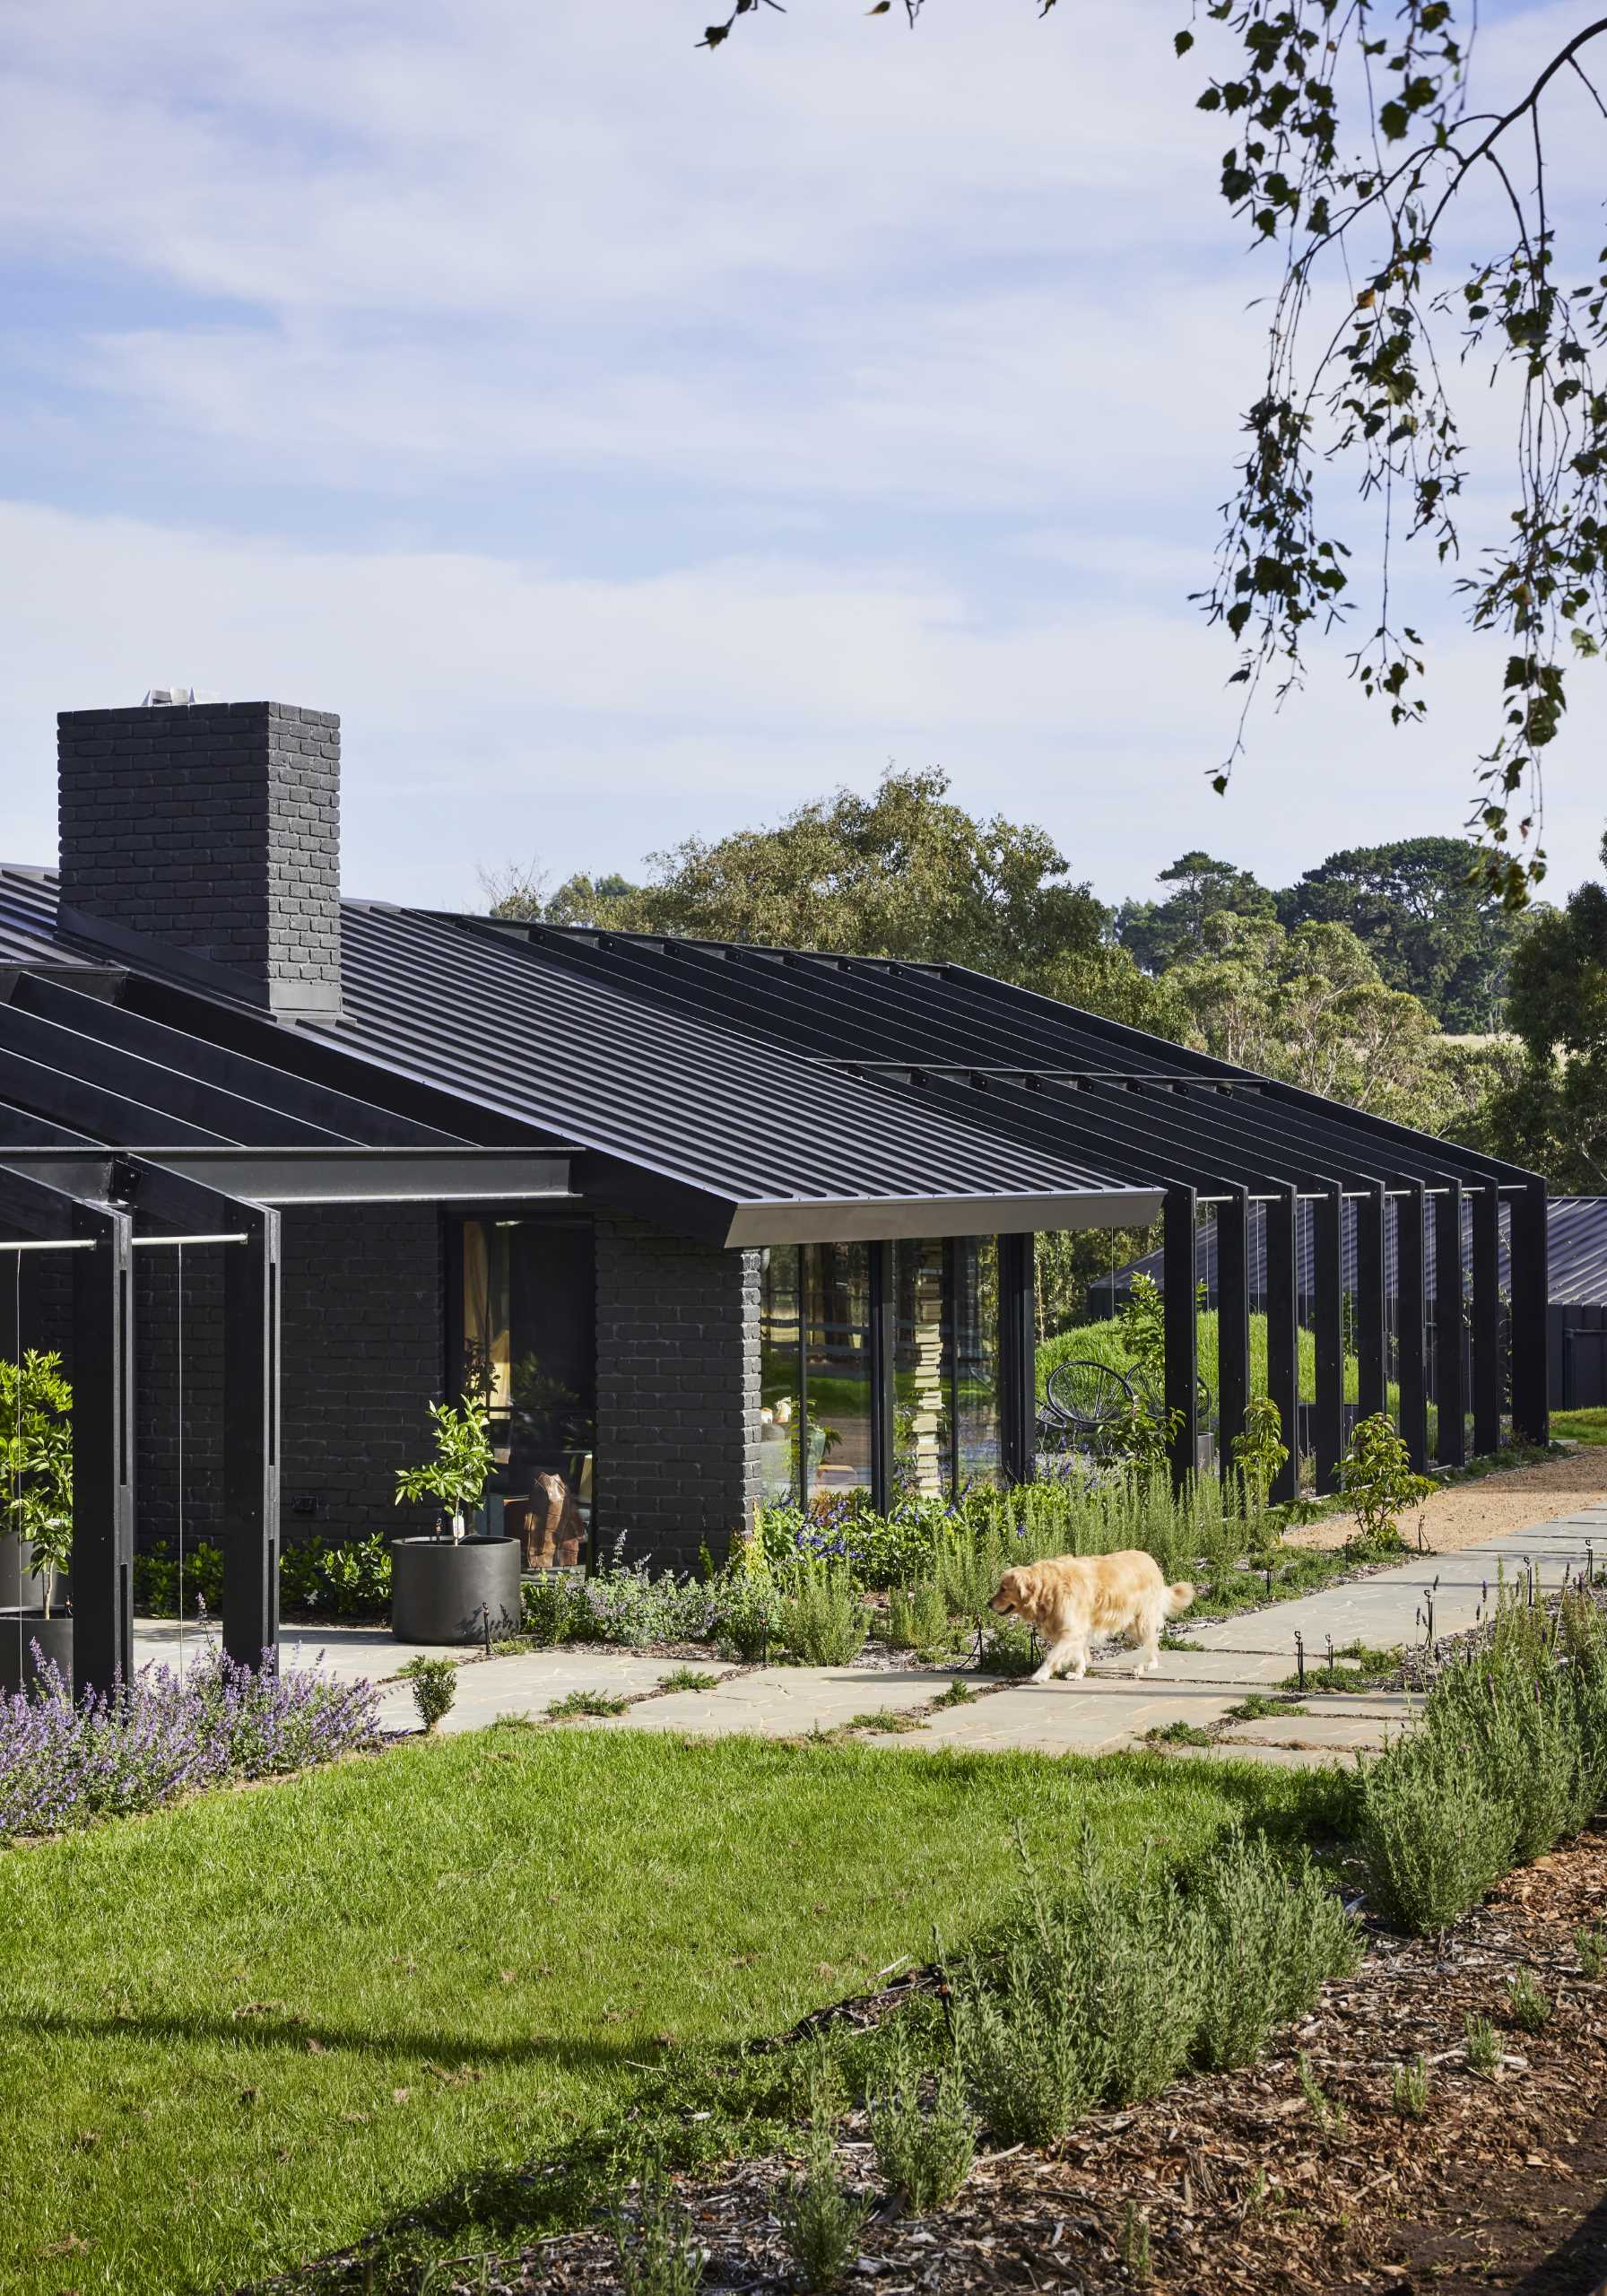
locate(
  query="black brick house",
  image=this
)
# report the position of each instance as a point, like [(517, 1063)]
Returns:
[(707, 1226)]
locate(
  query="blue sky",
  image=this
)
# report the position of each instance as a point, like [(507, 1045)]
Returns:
[(632, 442)]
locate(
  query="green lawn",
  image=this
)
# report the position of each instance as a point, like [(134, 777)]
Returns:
[(1580, 1426), (243, 2031)]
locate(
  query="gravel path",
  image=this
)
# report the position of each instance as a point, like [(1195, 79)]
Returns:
[(1469, 1513)]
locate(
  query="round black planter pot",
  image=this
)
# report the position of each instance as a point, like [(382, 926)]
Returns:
[(441, 1590), (19, 1631), (19, 1589)]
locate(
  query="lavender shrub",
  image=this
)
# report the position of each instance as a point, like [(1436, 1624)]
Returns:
[(63, 1765)]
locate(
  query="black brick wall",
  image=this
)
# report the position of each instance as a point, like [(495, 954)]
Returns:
[(213, 826), (362, 1355), (677, 1392)]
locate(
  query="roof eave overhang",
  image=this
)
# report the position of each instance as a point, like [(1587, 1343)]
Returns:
[(888, 1219), (337, 1175)]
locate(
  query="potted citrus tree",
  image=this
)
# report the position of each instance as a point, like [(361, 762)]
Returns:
[(451, 1586), (36, 1509)]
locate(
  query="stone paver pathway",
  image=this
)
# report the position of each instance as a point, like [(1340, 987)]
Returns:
[(1198, 1688)]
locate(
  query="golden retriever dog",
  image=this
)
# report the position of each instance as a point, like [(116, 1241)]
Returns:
[(1073, 1597)]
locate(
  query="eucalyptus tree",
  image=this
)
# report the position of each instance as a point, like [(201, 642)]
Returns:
[(1356, 156)]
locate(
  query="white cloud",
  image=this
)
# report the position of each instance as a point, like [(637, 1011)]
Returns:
[(494, 709), (847, 394)]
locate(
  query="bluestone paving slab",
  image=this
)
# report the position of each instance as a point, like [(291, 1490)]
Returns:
[(1063, 1718), (1341, 1733), (786, 1702), (528, 1684), (349, 1653)]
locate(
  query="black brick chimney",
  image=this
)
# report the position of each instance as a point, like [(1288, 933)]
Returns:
[(203, 838)]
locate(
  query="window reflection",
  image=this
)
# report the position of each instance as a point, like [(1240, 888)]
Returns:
[(976, 1351), (529, 1351), (836, 1308)]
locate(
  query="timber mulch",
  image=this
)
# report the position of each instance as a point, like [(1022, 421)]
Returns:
[(1262, 2183)]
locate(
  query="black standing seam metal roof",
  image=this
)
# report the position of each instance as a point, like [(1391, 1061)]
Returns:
[(1576, 1257), (672, 1092), (1023, 1065), (693, 1115), (27, 924)]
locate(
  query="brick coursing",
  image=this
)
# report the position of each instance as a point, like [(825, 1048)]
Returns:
[(678, 1376), (213, 826), (362, 1352)]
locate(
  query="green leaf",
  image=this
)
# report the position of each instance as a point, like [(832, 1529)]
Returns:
[(1394, 119), (1183, 42)]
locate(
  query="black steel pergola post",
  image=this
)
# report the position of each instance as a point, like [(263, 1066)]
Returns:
[(1283, 1336), (1018, 1337), (1182, 1389), (1531, 1405), (1328, 1322), (1487, 1320), (1450, 1445), (1413, 1310), (1232, 1323), (1372, 1316), (251, 1315), (102, 1376), (103, 1451), (879, 1256)]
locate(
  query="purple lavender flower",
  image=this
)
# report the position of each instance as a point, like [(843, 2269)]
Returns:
[(145, 1742)]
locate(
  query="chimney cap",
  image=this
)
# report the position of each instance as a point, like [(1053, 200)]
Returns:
[(175, 696)]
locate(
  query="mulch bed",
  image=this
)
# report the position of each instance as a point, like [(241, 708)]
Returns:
[(1244, 2186)]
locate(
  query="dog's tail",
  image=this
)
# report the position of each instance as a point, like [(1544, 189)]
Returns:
[(1178, 1597)]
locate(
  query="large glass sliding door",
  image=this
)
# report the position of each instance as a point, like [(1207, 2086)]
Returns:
[(828, 1313), (525, 1294)]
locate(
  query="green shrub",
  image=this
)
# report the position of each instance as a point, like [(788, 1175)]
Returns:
[(746, 1611), (434, 1687), (1137, 1981), (1268, 1939), (629, 1605), (923, 2157), (1591, 1946), (1027, 2059), (352, 1580), (1411, 2088), (654, 2253), (1376, 1475), (156, 1580), (1008, 1648), (820, 2221), (1482, 2043), (554, 1608), (1433, 1833), (918, 1618), (349, 1580), (597, 1702), (822, 1621), (1528, 2004)]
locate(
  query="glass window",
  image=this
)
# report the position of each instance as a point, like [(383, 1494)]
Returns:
[(780, 1373), (529, 1349), (837, 1310), (975, 1322), (923, 1425)]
